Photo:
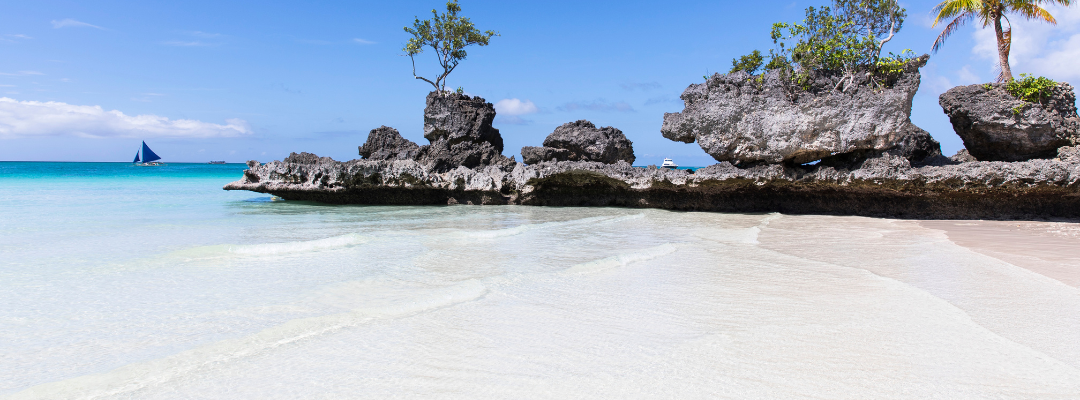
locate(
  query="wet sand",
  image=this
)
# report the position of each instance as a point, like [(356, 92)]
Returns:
[(1051, 249)]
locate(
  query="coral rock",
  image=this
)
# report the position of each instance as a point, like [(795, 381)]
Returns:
[(996, 126), (769, 119)]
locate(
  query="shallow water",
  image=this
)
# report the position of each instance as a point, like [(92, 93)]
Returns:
[(127, 282)]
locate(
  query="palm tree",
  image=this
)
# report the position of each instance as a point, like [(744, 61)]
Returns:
[(992, 12)]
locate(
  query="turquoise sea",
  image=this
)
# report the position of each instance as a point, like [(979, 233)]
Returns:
[(153, 283)]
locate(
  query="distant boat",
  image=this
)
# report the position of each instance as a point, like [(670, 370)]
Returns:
[(216, 162), (149, 158), (669, 164)]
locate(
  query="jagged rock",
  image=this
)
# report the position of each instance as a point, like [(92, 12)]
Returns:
[(444, 155), (306, 158), (459, 129), (532, 154), (886, 185), (748, 119), (386, 143), (996, 126), (962, 156), (457, 117), (586, 142), (1069, 154)]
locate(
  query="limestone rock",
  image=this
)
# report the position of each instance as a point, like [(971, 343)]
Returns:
[(459, 129), (962, 156), (746, 119), (444, 155), (457, 117), (996, 126), (306, 158), (1069, 154), (582, 141), (386, 143), (532, 154)]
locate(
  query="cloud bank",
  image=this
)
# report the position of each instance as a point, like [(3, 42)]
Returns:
[(1038, 47), (34, 118), (515, 107)]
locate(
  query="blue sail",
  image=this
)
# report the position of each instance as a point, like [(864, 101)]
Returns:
[(136, 157), (148, 155)]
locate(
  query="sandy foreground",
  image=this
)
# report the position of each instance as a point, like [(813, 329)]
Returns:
[(1051, 249)]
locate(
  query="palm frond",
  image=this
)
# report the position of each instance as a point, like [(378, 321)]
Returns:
[(951, 28), (951, 8)]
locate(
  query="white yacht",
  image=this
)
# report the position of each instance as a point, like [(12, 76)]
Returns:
[(669, 164)]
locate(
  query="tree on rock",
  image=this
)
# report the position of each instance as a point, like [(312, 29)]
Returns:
[(991, 12), (447, 34)]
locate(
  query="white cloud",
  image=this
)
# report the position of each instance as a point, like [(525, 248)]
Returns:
[(515, 107), (1038, 47), (967, 77), (14, 38), (70, 23), (21, 73), (362, 41), (34, 118)]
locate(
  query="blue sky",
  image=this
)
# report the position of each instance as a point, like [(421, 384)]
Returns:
[(256, 80)]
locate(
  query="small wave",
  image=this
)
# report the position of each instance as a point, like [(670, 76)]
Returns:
[(128, 380), (269, 249), (334, 242), (620, 260), (517, 230)]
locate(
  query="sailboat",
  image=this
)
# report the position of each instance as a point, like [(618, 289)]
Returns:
[(149, 158)]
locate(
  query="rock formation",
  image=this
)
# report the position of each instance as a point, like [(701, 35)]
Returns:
[(996, 126), (871, 165), (305, 158), (386, 143), (884, 185), (582, 141), (458, 128), (749, 120), (1069, 154), (532, 154)]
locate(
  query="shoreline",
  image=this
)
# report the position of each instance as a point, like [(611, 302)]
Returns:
[(1045, 248)]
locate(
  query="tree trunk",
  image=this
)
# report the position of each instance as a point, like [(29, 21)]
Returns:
[(1003, 51)]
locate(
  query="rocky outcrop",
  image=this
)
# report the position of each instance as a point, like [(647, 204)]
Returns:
[(771, 118), (532, 154), (386, 143), (996, 126), (962, 156), (459, 129), (885, 185), (582, 141), (1069, 154), (306, 158)]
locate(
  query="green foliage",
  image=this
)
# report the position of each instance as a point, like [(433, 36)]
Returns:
[(749, 63), (988, 87), (845, 37), (460, 90), (1031, 89), (448, 35)]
